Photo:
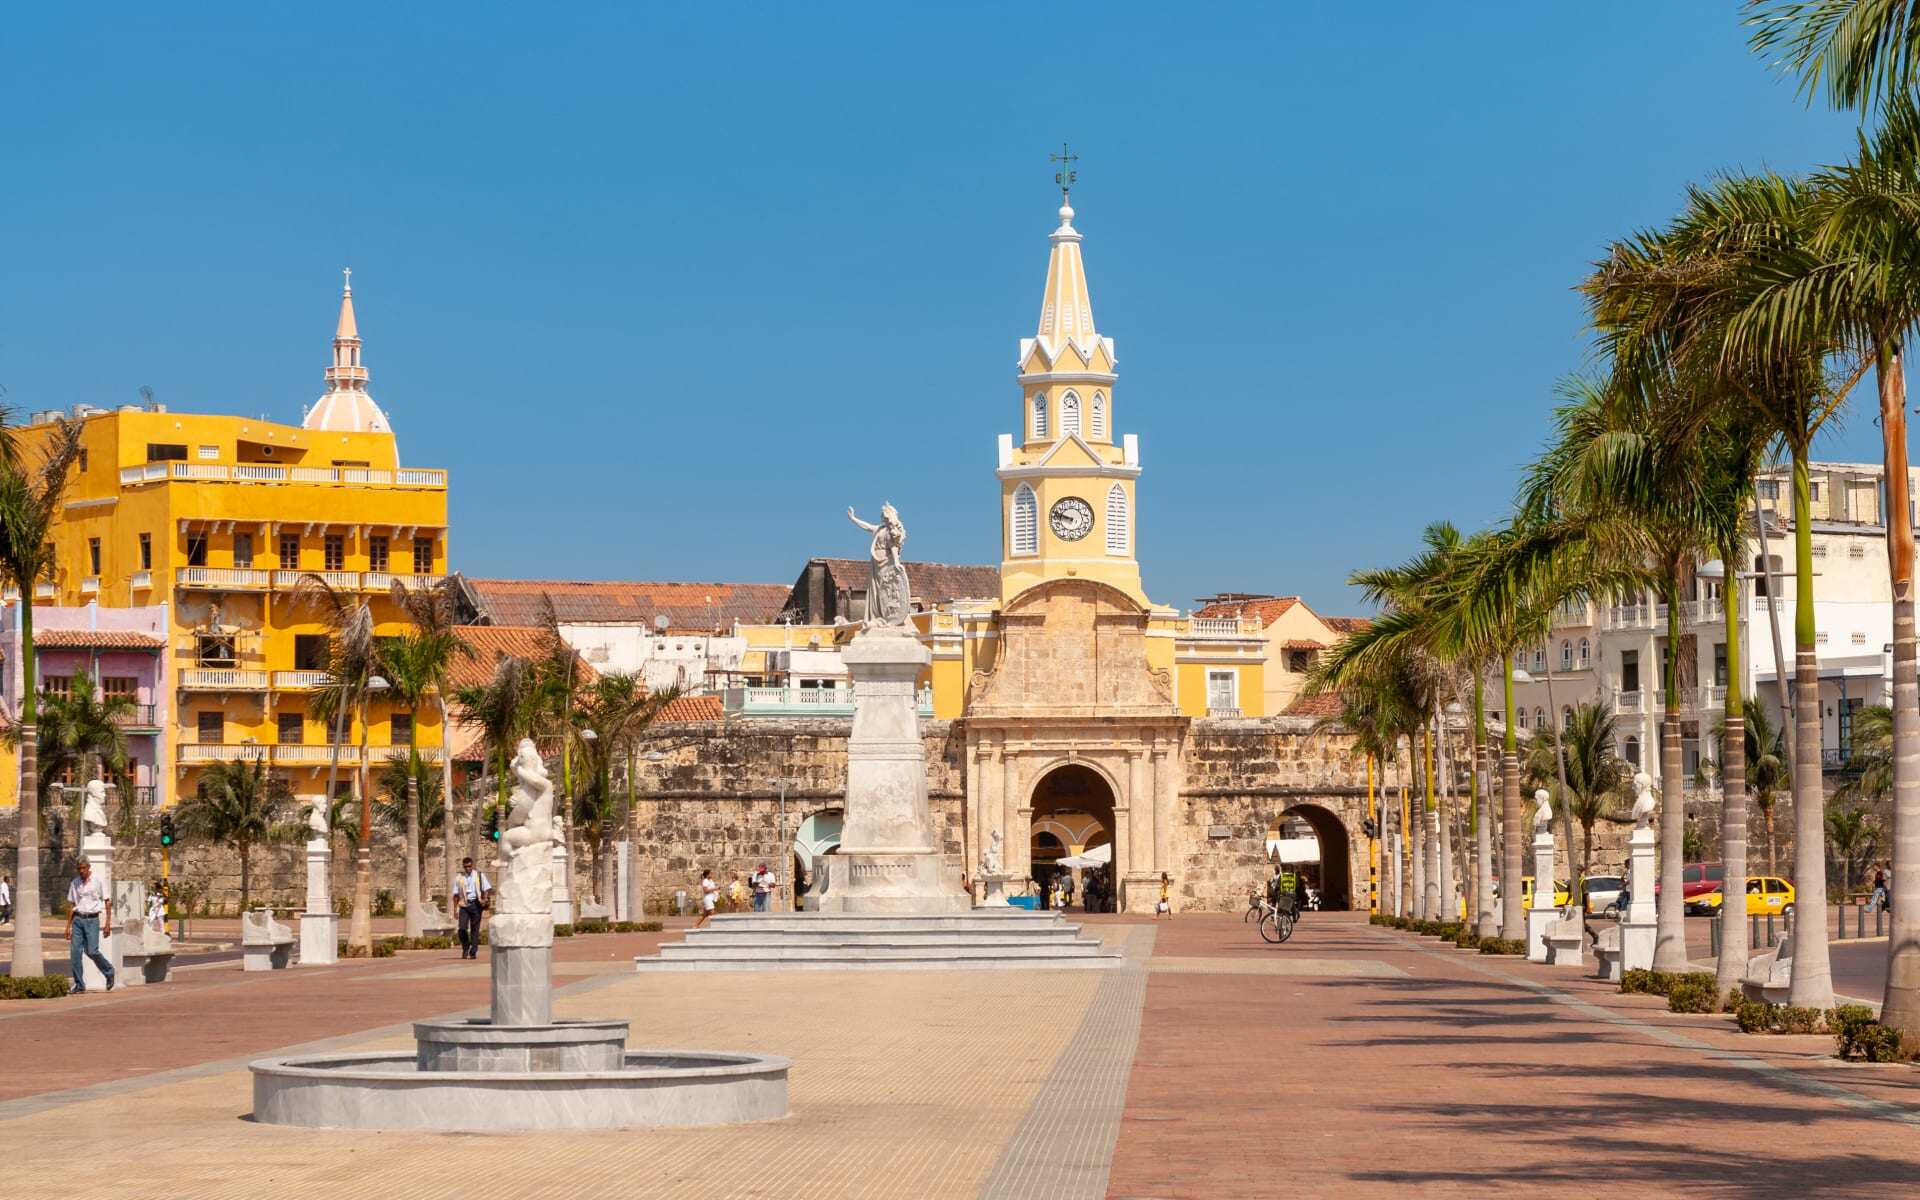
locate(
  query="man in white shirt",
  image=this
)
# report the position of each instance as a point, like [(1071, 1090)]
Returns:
[(6, 898), (88, 917), (763, 888), (470, 890)]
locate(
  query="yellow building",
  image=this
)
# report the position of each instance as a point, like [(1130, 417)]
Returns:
[(217, 518), (1293, 636)]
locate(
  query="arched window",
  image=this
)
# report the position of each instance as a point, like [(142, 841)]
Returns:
[(1566, 655), (1586, 654), (1099, 417), (1539, 718), (1024, 535), (1069, 414), (1630, 750), (1039, 417), (1520, 718), (1566, 716), (1540, 660), (1116, 516)]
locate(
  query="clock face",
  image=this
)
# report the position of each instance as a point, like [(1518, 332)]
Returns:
[(1071, 519)]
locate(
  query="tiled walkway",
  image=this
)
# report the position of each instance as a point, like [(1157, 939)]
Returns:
[(1349, 1062)]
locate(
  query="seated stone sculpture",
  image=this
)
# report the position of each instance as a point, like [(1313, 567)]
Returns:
[(146, 953), (1770, 975), (1606, 953), (433, 922), (266, 944), (1565, 936)]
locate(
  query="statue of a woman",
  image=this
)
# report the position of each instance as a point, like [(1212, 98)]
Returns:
[(526, 886), (888, 598)]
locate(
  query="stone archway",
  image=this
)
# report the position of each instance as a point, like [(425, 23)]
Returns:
[(1073, 805), (1336, 853)]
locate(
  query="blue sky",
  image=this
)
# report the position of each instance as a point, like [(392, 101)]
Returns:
[(668, 286)]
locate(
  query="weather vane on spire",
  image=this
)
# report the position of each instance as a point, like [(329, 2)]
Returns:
[(1066, 174)]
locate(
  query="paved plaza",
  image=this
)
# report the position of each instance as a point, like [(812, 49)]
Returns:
[(1352, 1061)]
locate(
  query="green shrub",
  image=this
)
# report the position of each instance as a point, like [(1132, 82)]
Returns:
[(1754, 1016), (1688, 996), (384, 905), (1846, 1022), (347, 951), (649, 926), (593, 925), (34, 987), (1640, 981), (431, 943), (1793, 1019), (1502, 946), (1858, 1036), (383, 949), (1467, 940), (1881, 1044), (563, 931)]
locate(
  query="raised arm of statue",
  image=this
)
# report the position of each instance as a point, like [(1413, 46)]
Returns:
[(862, 524)]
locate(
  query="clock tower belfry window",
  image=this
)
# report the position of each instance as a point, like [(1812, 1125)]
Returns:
[(1023, 531), (1040, 417), (1069, 414)]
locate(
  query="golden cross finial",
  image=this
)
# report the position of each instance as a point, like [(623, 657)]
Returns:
[(1066, 174)]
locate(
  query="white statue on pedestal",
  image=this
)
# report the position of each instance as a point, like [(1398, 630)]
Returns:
[(1642, 800), (525, 887), (889, 600), (990, 861), (93, 809), (317, 821), (1543, 815)]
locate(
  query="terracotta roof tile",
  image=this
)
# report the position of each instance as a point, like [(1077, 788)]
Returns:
[(932, 583), (688, 607), (96, 639), (1325, 704), (1346, 624), (491, 643), (704, 707), (1268, 610), (1303, 644)]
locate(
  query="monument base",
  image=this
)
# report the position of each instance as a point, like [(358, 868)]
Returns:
[(994, 891), (319, 939), (1539, 920), (892, 883)]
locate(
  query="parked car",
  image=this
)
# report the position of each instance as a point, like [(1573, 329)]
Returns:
[(1697, 879), (1765, 894), (1562, 890), (1603, 893)]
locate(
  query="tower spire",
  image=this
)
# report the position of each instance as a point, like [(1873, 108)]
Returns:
[(347, 407), (1066, 309)]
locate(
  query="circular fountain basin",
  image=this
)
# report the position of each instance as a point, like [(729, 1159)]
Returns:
[(388, 1090), (480, 1045)]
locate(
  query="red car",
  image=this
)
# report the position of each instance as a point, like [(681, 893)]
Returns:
[(1697, 879)]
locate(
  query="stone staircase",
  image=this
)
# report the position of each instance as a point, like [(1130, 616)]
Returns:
[(983, 938)]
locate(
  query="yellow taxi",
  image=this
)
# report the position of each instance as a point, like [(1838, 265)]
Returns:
[(1562, 892), (1765, 894)]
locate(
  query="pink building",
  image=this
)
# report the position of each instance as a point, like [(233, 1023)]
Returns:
[(113, 651)]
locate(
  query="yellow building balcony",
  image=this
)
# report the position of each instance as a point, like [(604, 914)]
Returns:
[(315, 756), (142, 581), (340, 581), (1223, 627), (300, 681), (216, 752), (383, 581), (44, 591), (90, 586), (223, 579), (381, 754), (432, 478), (222, 679)]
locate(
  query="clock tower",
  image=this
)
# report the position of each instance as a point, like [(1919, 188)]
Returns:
[(1067, 479)]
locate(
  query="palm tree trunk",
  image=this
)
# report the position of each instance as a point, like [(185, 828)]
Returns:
[(1812, 985), (246, 874), (1484, 921), (1779, 655), (1901, 1003), (1670, 914), (416, 924), (1449, 882), (360, 926), (1731, 967), (447, 806), (1513, 921), (29, 958), (1423, 776), (1404, 854)]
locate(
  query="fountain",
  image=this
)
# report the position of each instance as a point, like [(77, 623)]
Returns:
[(518, 1068)]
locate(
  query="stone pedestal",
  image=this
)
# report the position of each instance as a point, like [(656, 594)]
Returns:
[(622, 881), (1639, 925), (994, 891), (1542, 912), (562, 894), (522, 993), (888, 862), (98, 850), (319, 927)]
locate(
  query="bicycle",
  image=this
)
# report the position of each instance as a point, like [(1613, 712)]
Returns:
[(1257, 907), (1276, 925)]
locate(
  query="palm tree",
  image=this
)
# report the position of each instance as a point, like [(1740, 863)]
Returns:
[(352, 666), (79, 730), (1854, 838), (503, 708), (434, 645), (1870, 755), (30, 501), (240, 804), (1858, 52), (611, 712), (1767, 774), (1594, 770), (411, 795)]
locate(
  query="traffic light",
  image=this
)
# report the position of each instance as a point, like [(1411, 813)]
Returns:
[(1371, 829), (493, 825), (166, 829)]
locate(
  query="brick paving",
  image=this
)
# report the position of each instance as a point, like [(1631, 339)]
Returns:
[(1351, 1061)]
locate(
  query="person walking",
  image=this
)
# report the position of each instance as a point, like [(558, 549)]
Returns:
[(1165, 907), (157, 906), (709, 896), (6, 898), (88, 918), (736, 894), (764, 884), (472, 889)]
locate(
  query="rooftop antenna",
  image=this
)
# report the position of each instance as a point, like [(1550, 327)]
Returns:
[(146, 395)]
